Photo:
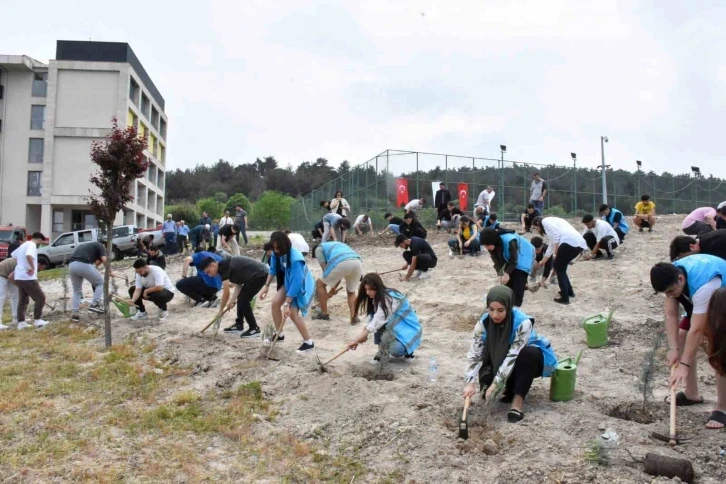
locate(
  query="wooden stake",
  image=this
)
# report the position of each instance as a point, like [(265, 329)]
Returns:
[(673, 441)]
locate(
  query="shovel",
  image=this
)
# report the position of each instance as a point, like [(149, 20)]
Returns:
[(673, 439), (389, 272), (323, 365), (464, 422)]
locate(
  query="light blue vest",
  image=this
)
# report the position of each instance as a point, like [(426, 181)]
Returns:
[(404, 323), (307, 290), (525, 252), (701, 268), (550, 358), (622, 224), (335, 253)]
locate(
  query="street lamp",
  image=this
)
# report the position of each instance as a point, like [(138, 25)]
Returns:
[(603, 167), (640, 164), (503, 149)]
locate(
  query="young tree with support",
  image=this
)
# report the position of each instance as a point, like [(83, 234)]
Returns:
[(120, 161)]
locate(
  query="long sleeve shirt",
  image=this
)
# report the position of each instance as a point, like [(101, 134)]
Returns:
[(602, 229), (561, 232), (476, 352), (294, 279), (378, 320), (498, 258), (341, 207)]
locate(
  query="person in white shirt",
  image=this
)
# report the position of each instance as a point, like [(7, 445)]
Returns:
[(566, 244), (226, 220), (415, 205), (298, 242), (599, 235), (339, 205), (26, 278), (363, 224), (152, 284), (483, 203)]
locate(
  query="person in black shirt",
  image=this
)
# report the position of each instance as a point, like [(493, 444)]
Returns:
[(394, 224), (529, 214), (14, 245), (442, 198), (449, 217), (419, 257), (318, 230), (411, 227), (546, 271), (721, 219), (227, 241), (248, 277), (82, 266), (205, 219), (155, 258), (712, 243)]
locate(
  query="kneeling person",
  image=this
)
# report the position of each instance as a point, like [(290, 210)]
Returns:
[(338, 262), (152, 284), (599, 235), (419, 257), (248, 276), (202, 289), (467, 241)]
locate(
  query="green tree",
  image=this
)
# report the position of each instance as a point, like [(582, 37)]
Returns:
[(238, 199), (184, 211), (221, 197), (271, 211), (213, 208)]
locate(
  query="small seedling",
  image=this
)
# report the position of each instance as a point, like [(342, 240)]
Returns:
[(597, 453)]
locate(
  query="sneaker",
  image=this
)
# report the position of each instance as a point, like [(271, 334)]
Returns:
[(139, 316), (96, 308), (423, 275), (611, 256), (376, 359), (163, 315), (324, 317), (203, 304), (598, 256), (235, 328), (251, 333), (304, 348), (451, 253), (559, 300), (39, 323), (417, 274), (23, 325), (2, 326), (75, 317), (280, 339), (410, 357), (650, 230), (214, 303)]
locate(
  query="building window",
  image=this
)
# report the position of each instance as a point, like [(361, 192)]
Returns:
[(40, 84), (37, 116), (35, 150), (134, 91), (162, 128), (82, 220), (34, 183), (161, 180), (58, 220), (145, 106), (155, 118)]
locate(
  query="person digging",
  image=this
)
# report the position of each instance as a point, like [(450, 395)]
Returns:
[(419, 257), (338, 262)]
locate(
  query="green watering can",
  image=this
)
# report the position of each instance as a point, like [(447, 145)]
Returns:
[(562, 386), (127, 310), (597, 328)]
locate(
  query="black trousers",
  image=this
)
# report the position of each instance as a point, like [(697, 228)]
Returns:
[(698, 228), (621, 234), (528, 366), (528, 221), (548, 265), (608, 243), (159, 298), (424, 262), (196, 288), (565, 254), (518, 284), (244, 301)]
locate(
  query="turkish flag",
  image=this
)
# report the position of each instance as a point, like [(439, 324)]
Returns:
[(401, 191), (463, 196)]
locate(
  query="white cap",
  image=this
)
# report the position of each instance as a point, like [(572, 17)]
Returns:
[(206, 227), (721, 205)]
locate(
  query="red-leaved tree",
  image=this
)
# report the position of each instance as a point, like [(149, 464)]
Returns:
[(120, 161)]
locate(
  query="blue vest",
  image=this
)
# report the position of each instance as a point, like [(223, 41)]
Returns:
[(525, 252), (404, 323), (550, 358), (216, 281), (489, 224), (335, 253), (622, 224), (701, 268), (305, 294)]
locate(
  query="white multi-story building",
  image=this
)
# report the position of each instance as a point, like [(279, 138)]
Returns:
[(50, 115)]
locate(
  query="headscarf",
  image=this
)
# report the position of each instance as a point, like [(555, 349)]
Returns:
[(489, 236), (497, 345)]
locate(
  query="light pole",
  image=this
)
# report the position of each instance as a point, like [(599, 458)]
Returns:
[(604, 167), (503, 149), (640, 164), (696, 174), (574, 185)]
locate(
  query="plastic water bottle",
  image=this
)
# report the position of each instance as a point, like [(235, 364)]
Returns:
[(433, 369)]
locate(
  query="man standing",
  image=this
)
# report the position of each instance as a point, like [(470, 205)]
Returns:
[(248, 276), (26, 278), (415, 205), (442, 198), (419, 256), (530, 213), (83, 262), (644, 214), (227, 239), (599, 235), (537, 192), (363, 224), (241, 222), (690, 282), (168, 228), (483, 203), (712, 243), (226, 220), (338, 262), (183, 237), (152, 284), (205, 219), (202, 288), (449, 217), (615, 218)]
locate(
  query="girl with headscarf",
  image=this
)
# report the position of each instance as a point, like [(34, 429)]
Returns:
[(513, 257), (339, 204), (507, 352)]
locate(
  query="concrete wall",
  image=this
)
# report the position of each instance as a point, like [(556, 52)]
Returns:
[(86, 99), (72, 166)]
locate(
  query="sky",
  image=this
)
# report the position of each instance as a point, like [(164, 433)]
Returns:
[(347, 80)]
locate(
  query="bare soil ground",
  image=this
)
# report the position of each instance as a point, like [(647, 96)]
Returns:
[(170, 405)]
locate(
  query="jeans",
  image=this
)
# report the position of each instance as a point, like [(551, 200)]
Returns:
[(244, 302), (394, 228), (243, 232), (396, 350), (78, 272), (7, 288), (30, 290), (474, 246), (451, 224), (424, 262), (196, 289), (621, 234), (538, 204), (169, 243), (160, 298), (565, 254), (528, 366)]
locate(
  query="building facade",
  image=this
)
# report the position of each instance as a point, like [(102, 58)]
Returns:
[(49, 116)]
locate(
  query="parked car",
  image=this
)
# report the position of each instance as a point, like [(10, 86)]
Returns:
[(60, 250), (157, 233), (124, 239), (8, 234)]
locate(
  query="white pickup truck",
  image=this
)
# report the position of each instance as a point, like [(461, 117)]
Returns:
[(60, 250)]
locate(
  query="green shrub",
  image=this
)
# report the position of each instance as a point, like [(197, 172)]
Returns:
[(271, 211), (214, 208), (184, 211), (238, 199), (556, 211)]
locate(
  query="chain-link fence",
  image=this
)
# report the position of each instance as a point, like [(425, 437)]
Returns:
[(371, 187)]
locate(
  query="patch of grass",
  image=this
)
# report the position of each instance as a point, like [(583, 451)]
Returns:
[(50, 274)]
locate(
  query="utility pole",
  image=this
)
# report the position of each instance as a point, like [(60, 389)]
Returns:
[(604, 167)]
